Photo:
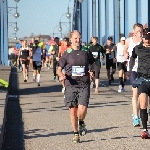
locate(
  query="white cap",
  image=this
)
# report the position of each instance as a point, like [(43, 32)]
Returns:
[(123, 38)]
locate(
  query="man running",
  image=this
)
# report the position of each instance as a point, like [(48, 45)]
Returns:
[(54, 50), (121, 63), (96, 49), (142, 52), (37, 61), (130, 43), (110, 59), (77, 80)]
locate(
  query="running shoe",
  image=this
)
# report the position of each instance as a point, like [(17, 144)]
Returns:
[(145, 134), (38, 84), (123, 89), (82, 129), (120, 88), (63, 90), (76, 138), (136, 121), (54, 78)]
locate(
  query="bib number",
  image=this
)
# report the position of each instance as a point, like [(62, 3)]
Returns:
[(78, 70), (110, 57), (95, 54)]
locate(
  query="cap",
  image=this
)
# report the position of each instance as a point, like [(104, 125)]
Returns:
[(20, 39), (123, 38), (146, 33), (110, 38)]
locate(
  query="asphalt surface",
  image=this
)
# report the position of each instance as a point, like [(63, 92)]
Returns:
[(46, 123)]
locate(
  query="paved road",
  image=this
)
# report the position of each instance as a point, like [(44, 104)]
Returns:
[(47, 124)]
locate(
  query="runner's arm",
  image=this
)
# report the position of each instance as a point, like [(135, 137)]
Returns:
[(126, 54), (62, 64)]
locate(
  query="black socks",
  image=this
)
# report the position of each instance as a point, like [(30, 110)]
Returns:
[(81, 122), (144, 117), (121, 81)]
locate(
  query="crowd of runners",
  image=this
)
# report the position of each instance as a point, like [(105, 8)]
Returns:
[(77, 66)]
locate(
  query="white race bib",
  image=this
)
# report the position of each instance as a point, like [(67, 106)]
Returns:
[(78, 70), (95, 54)]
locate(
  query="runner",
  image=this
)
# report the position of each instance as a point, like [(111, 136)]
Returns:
[(121, 63), (77, 81), (110, 59), (64, 46), (24, 56), (31, 57), (96, 49), (54, 50), (130, 43), (18, 61), (142, 52), (43, 55), (37, 61), (48, 65)]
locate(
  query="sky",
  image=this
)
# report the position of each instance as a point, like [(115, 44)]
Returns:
[(39, 17)]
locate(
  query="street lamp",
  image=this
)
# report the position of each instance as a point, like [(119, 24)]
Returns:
[(16, 28), (16, 15), (68, 15)]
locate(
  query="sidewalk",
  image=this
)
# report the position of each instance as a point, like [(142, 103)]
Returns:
[(4, 74), (47, 125)]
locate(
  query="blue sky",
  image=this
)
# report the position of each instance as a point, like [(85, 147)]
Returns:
[(39, 17)]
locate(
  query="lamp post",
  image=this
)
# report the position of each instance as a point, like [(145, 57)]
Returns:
[(16, 15), (68, 15), (60, 24), (15, 28)]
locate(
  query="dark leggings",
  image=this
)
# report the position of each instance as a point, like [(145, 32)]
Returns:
[(55, 64)]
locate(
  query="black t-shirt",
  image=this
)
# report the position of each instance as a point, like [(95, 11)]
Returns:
[(76, 62), (96, 50), (111, 55), (143, 54)]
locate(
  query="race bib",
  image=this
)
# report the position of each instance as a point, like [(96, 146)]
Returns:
[(78, 70), (95, 54), (110, 56)]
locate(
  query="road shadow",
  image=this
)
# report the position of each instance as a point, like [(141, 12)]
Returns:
[(37, 90), (36, 133)]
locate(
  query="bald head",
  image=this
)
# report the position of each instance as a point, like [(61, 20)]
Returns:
[(75, 39)]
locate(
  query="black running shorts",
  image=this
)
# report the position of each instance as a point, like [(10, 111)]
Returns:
[(122, 66), (144, 87), (75, 96)]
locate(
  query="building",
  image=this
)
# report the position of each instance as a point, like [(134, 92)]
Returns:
[(3, 33), (105, 18)]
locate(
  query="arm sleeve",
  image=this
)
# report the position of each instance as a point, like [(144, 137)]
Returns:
[(63, 60), (134, 55), (102, 51), (91, 58)]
